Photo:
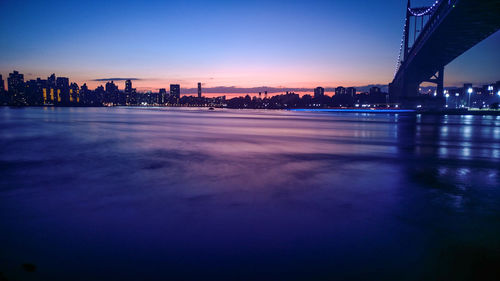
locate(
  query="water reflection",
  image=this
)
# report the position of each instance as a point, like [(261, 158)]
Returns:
[(135, 193), (453, 162)]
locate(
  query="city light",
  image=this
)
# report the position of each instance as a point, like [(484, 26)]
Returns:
[(425, 12), (470, 90)]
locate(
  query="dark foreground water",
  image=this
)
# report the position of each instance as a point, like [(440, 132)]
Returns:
[(181, 194)]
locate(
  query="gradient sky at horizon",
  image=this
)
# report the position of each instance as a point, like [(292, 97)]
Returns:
[(220, 43)]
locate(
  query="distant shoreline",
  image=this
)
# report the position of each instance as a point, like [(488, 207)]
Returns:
[(336, 110)]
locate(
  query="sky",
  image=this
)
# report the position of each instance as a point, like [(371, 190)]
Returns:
[(245, 44)]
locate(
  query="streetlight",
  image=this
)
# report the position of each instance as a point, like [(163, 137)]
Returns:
[(470, 90), (447, 96)]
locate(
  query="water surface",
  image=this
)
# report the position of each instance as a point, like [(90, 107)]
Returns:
[(181, 194)]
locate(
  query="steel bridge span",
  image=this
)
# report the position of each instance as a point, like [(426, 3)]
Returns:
[(433, 37)]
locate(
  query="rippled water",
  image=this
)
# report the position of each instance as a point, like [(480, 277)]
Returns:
[(168, 194)]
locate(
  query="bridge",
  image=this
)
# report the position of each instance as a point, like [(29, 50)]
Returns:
[(434, 36)]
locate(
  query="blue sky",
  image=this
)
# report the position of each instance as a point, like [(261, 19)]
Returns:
[(221, 43)]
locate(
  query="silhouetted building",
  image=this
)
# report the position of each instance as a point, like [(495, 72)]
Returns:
[(162, 96), (33, 91), (3, 95), (128, 86), (16, 88), (74, 93), (377, 97), (351, 91), (319, 92), (52, 81), (343, 97), (86, 96), (126, 97), (36, 91), (84, 88), (129, 97), (175, 90), (62, 93), (111, 96), (2, 85), (62, 83), (199, 90), (339, 91), (466, 88), (111, 87), (374, 90)]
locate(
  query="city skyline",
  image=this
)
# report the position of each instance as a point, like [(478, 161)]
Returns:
[(294, 45), (61, 91), (125, 85)]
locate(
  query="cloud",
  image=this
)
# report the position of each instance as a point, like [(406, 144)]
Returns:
[(271, 90), (115, 79)]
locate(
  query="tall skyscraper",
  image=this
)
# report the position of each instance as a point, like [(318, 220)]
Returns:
[(162, 96), (62, 94), (15, 81), (199, 89), (128, 86), (111, 93), (319, 92), (175, 90), (74, 93), (15, 84)]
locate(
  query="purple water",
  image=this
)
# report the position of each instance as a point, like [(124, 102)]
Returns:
[(182, 194)]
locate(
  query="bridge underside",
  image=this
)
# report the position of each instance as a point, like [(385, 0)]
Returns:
[(462, 26)]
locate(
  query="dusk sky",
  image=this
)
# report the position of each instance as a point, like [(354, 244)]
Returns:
[(220, 43)]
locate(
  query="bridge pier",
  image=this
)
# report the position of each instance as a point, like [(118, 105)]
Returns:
[(440, 83), (438, 79)]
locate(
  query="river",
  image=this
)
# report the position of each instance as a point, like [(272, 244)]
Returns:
[(182, 194)]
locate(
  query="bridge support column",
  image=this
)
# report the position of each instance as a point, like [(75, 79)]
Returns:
[(440, 83)]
